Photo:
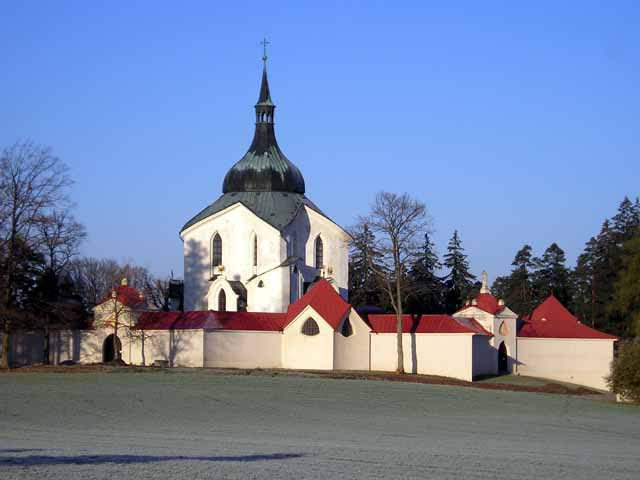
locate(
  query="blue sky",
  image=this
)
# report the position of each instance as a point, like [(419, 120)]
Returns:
[(514, 123)]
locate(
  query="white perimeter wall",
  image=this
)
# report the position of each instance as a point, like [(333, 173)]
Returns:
[(448, 355), (304, 352), (585, 362), (242, 349), (80, 346), (181, 348), (485, 356), (25, 348), (353, 352)]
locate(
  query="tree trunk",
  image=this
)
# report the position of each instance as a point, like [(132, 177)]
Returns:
[(400, 368), (4, 358), (45, 347)]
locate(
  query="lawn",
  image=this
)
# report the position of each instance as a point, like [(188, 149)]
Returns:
[(191, 424)]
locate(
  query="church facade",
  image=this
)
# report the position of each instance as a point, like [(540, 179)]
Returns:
[(261, 244), (266, 286)]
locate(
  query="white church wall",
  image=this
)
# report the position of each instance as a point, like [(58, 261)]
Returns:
[(242, 349), (236, 226), (79, 346), (336, 248), (448, 355), (581, 361), (304, 352), (352, 352)]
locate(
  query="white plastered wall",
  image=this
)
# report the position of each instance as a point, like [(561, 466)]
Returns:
[(581, 361), (353, 352), (26, 348), (304, 352), (492, 324), (181, 348), (237, 226), (80, 346), (445, 354), (242, 349), (485, 356), (336, 249)]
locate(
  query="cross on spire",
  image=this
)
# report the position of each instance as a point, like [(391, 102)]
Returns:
[(264, 44)]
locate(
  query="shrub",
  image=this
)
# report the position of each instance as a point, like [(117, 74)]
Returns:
[(625, 372)]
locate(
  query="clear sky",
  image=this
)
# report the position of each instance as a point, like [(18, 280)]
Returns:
[(514, 123)]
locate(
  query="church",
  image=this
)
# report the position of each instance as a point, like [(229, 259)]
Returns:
[(266, 286)]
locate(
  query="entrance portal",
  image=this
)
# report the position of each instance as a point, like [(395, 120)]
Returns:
[(503, 360), (108, 353)]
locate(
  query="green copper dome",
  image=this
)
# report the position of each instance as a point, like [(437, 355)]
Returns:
[(264, 168)]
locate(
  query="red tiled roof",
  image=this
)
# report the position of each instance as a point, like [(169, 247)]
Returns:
[(426, 324), (552, 320), (324, 299), (260, 321), (486, 302), (126, 295)]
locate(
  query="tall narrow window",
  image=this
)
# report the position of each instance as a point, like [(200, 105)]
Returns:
[(319, 252), (216, 251), (255, 250), (222, 301)]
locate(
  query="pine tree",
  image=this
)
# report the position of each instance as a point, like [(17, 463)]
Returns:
[(459, 282), (426, 287), (626, 300), (363, 283), (552, 277), (625, 221)]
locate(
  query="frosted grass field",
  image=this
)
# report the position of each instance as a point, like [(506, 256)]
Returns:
[(199, 424)]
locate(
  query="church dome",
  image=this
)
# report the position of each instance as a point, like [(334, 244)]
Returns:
[(264, 168)]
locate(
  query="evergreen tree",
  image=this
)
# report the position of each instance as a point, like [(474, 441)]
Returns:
[(459, 282), (552, 277), (426, 287), (363, 282), (626, 299), (625, 221)]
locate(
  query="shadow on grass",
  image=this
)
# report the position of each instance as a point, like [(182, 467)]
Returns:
[(39, 460), (20, 450)]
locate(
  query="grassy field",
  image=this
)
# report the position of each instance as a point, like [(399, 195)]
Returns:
[(198, 424)]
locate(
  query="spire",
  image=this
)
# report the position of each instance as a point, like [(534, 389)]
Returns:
[(485, 282), (264, 168), (265, 95)]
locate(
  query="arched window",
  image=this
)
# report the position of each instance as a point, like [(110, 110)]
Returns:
[(347, 330), (255, 250), (216, 251), (222, 301), (310, 327), (319, 258)]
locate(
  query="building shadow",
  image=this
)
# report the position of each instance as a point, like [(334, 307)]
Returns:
[(44, 460)]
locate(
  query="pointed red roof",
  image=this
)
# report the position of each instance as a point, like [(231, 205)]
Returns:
[(126, 295), (552, 320), (386, 323), (487, 303), (324, 299)]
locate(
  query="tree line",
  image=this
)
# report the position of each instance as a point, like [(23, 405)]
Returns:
[(44, 283), (603, 289)]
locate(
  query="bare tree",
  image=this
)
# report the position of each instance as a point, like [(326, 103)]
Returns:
[(33, 182), (60, 236), (398, 222)]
